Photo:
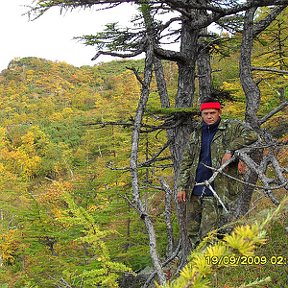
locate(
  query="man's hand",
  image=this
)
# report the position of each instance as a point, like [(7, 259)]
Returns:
[(226, 157), (242, 168), (181, 196)]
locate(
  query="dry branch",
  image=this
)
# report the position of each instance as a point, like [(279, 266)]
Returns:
[(273, 112), (259, 169), (267, 69)]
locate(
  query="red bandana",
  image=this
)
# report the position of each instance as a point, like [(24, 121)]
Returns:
[(210, 105)]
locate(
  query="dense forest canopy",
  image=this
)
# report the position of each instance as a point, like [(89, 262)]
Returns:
[(85, 151)]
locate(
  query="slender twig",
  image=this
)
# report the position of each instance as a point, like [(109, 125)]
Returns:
[(216, 196), (147, 163)]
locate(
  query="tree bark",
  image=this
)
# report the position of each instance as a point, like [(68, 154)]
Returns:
[(168, 217), (252, 94), (134, 162), (250, 88), (204, 69)]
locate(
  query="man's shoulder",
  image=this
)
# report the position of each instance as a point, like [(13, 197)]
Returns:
[(231, 123), (196, 126)]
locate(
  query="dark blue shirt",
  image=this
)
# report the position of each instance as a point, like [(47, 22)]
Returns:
[(204, 173)]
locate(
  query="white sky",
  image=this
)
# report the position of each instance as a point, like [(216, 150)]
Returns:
[(51, 35)]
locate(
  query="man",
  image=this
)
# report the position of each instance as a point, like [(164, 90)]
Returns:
[(211, 144)]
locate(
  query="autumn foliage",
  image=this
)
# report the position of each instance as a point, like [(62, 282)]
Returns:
[(65, 215)]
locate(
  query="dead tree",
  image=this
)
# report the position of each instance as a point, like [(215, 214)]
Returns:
[(251, 90), (134, 162)]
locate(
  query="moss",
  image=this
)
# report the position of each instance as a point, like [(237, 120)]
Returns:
[(173, 111)]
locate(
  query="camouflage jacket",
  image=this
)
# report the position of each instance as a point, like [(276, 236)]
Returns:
[(231, 135)]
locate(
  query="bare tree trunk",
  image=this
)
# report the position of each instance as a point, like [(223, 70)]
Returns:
[(204, 70), (186, 80), (161, 83), (251, 90), (252, 94), (134, 162), (168, 216)]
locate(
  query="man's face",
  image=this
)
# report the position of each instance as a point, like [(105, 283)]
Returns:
[(210, 116)]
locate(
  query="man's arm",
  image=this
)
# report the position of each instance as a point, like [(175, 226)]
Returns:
[(240, 135), (185, 173), (241, 165)]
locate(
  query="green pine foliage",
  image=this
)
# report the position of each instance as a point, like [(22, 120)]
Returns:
[(103, 271), (239, 249)]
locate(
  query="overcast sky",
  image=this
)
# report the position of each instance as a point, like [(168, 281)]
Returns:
[(51, 35)]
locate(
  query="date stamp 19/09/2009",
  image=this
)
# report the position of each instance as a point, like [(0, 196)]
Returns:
[(247, 260)]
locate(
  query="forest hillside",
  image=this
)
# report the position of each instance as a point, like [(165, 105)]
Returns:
[(65, 199)]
